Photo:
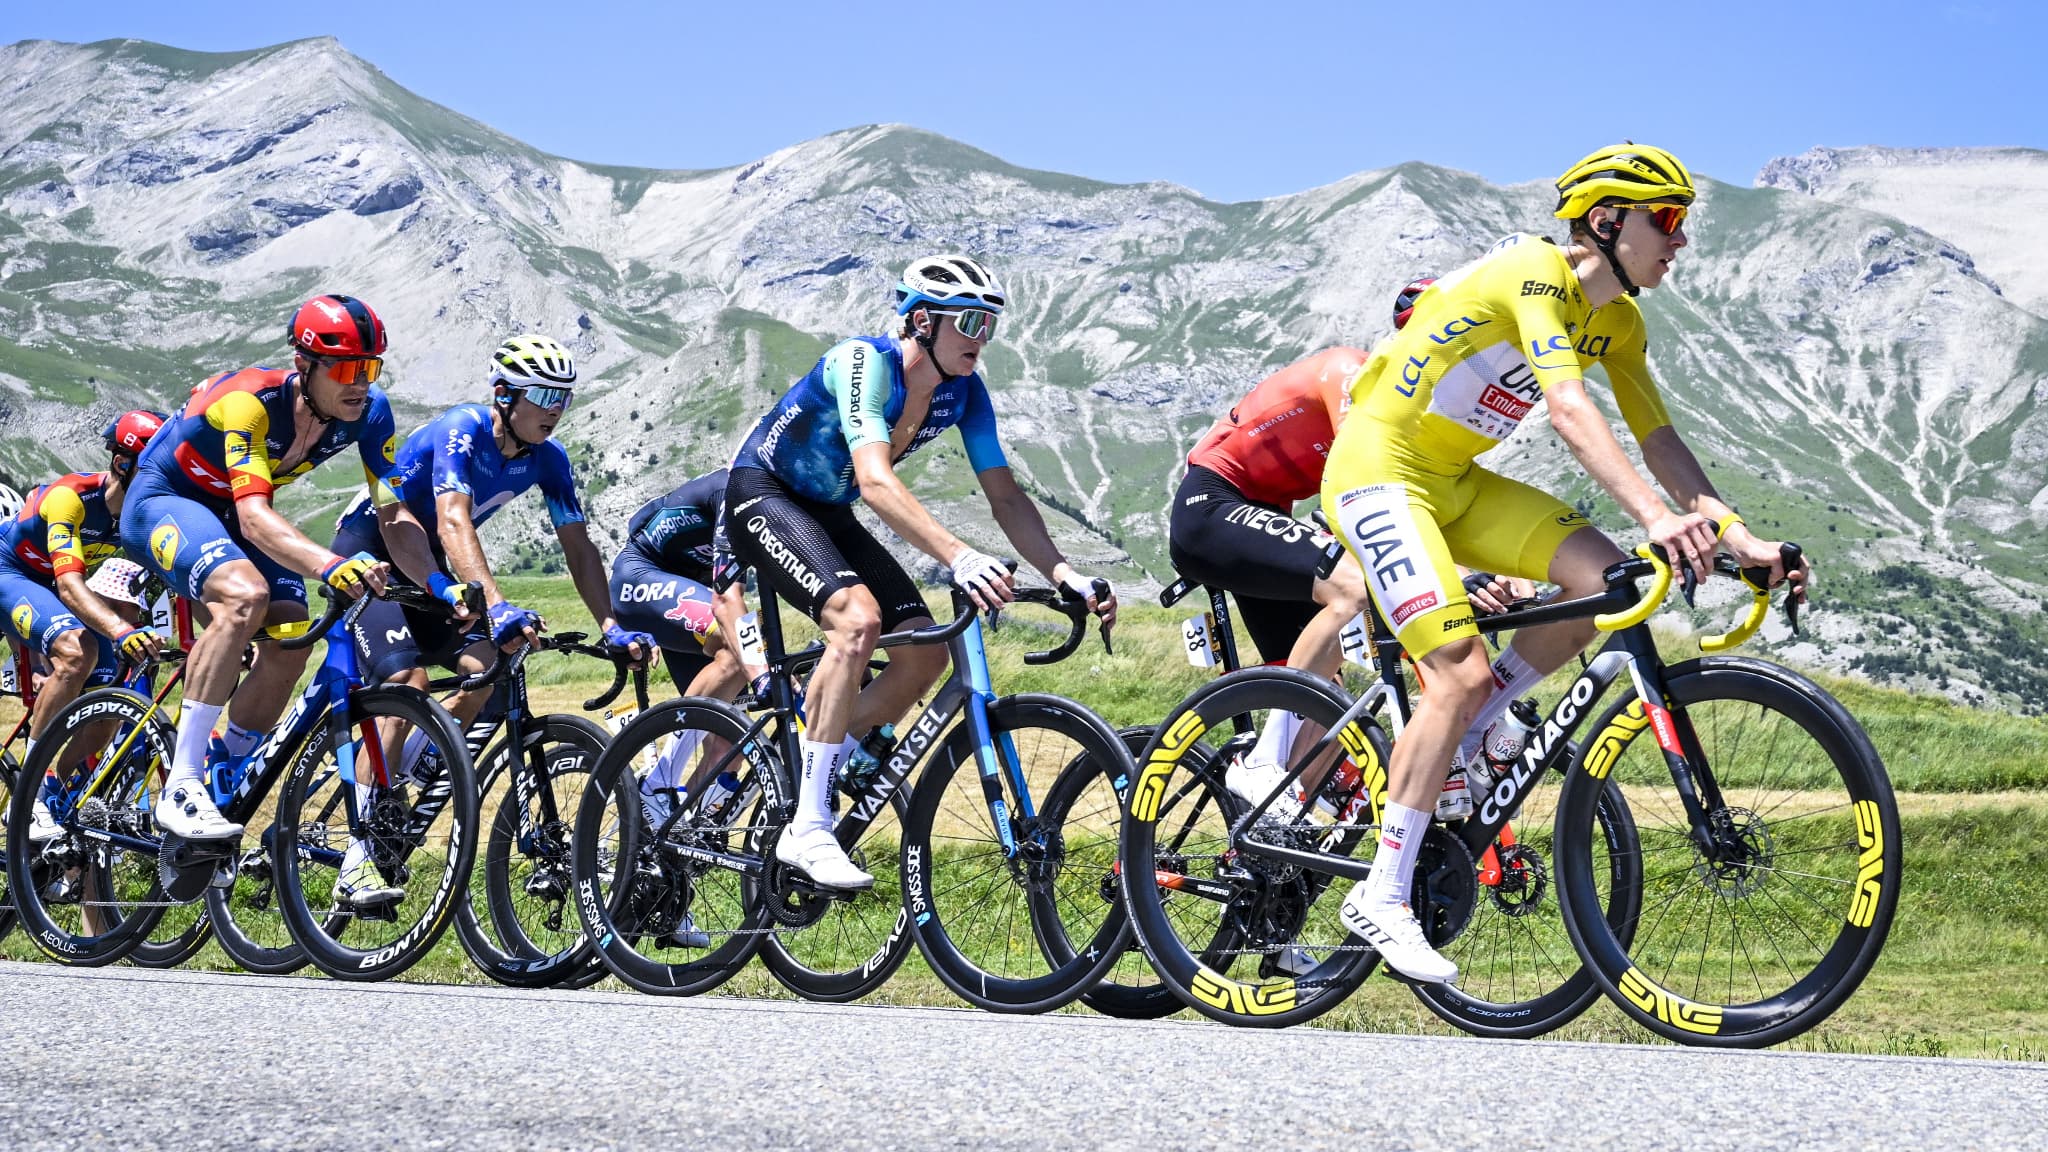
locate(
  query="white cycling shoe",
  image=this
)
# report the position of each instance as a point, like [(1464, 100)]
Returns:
[(1253, 781), (359, 884), (1392, 931), (817, 854), (186, 810), (42, 827)]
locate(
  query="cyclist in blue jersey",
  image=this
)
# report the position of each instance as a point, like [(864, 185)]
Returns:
[(199, 515), (835, 438), (452, 476)]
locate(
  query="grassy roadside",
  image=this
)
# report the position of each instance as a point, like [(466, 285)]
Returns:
[(1965, 972)]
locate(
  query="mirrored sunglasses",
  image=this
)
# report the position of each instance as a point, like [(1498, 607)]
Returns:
[(1667, 217), (349, 371), (548, 396), (973, 323)]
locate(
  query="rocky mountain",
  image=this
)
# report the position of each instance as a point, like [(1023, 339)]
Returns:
[(1854, 377)]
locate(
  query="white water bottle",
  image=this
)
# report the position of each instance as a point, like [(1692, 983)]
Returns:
[(718, 793)]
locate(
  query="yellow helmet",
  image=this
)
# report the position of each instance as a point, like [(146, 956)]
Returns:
[(1634, 173)]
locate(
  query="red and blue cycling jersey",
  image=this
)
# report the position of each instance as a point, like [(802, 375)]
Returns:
[(855, 396), (458, 452), (63, 527), (233, 436)]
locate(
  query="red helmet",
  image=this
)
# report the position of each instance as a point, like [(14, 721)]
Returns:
[(337, 326), (129, 434), (1404, 304)]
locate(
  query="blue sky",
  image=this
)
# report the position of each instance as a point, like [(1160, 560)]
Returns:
[(1237, 100)]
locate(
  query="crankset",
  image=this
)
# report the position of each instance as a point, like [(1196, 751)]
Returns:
[(1446, 886), (185, 869)]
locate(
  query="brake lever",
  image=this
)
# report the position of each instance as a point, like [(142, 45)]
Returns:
[(1102, 626)]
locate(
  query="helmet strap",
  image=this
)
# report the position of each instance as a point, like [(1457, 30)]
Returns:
[(306, 389), (504, 407), (926, 340), (1605, 240)]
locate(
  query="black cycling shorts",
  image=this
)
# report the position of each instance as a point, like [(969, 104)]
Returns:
[(390, 639), (672, 607), (807, 551), (1258, 553)]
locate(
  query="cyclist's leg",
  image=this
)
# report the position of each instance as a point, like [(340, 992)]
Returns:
[(1392, 527), (912, 671), (186, 544), (1516, 530), (76, 657), (274, 677), (779, 535)]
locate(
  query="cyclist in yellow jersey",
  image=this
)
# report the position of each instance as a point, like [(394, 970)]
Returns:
[(1485, 345)]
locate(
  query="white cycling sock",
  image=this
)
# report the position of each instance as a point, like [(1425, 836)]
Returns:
[(195, 728), (671, 767), (1276, 740), (409, 753), (1393, 868), (239, 740), (814, 790)]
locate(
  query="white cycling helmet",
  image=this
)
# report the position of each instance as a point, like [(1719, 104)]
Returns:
[(531, 358), (949, 281), (10, 502)]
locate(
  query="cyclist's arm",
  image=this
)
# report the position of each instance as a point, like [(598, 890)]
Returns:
[(96, 613), (1022, 524), (406, 539), (460, 544), (891, 500), (586, 570), (1672, 462)]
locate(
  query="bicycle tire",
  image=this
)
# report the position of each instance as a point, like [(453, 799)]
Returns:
[(622, 878), (52, 931), (1130, 990), (1011, 969), (9, 772), (874, 945), (1539, 948), (1173, 789), (247, 920), (331, 936), (1823, 803), (499, 941)]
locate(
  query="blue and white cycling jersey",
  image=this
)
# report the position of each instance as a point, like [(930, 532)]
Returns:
[(854, 396), (458, 453)]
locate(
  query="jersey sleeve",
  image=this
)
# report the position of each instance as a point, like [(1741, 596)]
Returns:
[(379, 449), (1627, 360), (1542, 318), (64, 516), (558, 488), (244, 427), (453, 441), (1333, 383), (858, 377), (978, 431)]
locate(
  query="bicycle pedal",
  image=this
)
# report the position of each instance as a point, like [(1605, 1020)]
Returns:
[(383, 911)]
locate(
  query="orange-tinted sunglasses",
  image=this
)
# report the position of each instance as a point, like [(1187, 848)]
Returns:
[(1667, 217), (348, 371)]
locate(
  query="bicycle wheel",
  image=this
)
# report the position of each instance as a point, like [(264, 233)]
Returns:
[(421, 837), (1759, 930), (1518, 974), (1024, 930), (89, 897), (517, 925), (1242, 938), (1130, 990), (9, 771), (182, 930), (632, 892), (248, 920), (842, 948)]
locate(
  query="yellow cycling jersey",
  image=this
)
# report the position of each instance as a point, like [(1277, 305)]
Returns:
[(1484, 344)]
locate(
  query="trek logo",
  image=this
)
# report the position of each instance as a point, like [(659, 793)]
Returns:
[(809, 581), (1285, 528), (1456, 328), (1541, 288), (214, 553), (646, 593)]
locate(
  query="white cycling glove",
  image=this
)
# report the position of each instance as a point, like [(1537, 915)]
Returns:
[(1079, 585), (980, 576)]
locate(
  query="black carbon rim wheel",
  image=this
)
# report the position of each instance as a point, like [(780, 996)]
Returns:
[(1130, 990), (247, 919), (1761, 934), (422, 838), (630, 891), (8, 772), (87, 902), (1218, 923), (1518, 974), (517, 925), (1022, 933), (855, 944)]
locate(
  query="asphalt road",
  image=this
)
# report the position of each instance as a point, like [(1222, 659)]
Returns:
[(129, 1059)]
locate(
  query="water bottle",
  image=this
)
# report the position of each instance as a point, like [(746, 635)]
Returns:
[(718, 794), (1509, 735), (865, 763)]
